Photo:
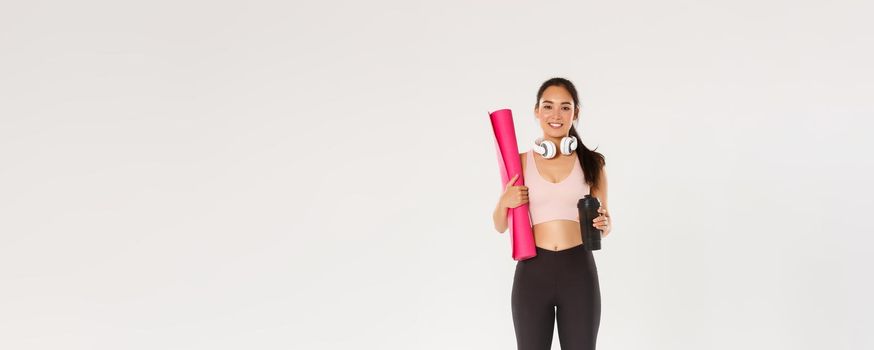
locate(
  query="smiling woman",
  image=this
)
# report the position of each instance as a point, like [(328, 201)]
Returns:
[(561, 281)]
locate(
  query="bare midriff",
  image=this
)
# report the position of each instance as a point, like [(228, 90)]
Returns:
[(557, 234)]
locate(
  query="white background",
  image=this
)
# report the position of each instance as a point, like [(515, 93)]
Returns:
[(322, 175)]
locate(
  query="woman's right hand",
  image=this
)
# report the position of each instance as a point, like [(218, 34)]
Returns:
[(514, 196)]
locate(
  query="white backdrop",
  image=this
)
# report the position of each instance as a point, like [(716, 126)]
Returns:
[(321, 175)]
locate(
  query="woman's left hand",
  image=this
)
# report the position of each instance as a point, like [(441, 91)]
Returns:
[(603, 222)]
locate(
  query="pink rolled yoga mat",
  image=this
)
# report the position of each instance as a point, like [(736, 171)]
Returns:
[(521, 235)]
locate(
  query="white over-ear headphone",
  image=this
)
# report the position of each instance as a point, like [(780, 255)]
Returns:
[(546, 148)]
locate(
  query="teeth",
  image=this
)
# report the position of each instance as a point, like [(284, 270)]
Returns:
[(555, 125)]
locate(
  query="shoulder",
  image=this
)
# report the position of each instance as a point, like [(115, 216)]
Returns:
[(602, 174), (599, 159), (602, 180), (600, 164)]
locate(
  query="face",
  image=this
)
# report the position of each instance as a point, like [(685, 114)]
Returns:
[(556, 111)]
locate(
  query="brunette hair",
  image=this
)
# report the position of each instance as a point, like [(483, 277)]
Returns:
[(590, 160)]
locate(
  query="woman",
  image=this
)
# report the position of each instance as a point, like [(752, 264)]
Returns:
[(562, 280)]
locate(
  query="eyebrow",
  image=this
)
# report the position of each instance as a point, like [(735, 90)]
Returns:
[(548, 101)]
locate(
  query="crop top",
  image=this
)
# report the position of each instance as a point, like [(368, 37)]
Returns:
[(549, 201)]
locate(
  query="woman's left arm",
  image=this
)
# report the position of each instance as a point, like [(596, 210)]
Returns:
[(603, 222)]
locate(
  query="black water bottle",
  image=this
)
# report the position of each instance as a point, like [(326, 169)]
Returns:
[(588, 207)]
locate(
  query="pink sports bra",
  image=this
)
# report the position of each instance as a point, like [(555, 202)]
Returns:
[(549, 201)]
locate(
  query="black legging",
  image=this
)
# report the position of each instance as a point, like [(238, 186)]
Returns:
[(562, 284)]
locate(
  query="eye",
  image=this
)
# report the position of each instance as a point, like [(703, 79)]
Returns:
[(547, 107), (567, 108)]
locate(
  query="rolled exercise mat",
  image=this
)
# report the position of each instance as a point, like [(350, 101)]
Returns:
[(519, 221)]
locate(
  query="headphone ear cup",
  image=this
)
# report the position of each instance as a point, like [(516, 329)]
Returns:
[(550, 149), (539, 147), (565, 145), (544, 147), (569, 144)]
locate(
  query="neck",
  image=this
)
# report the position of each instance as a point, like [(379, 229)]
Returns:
[(557, 142)]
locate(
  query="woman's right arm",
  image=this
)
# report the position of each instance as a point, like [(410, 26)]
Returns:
[(512, 197), (500, 217)]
